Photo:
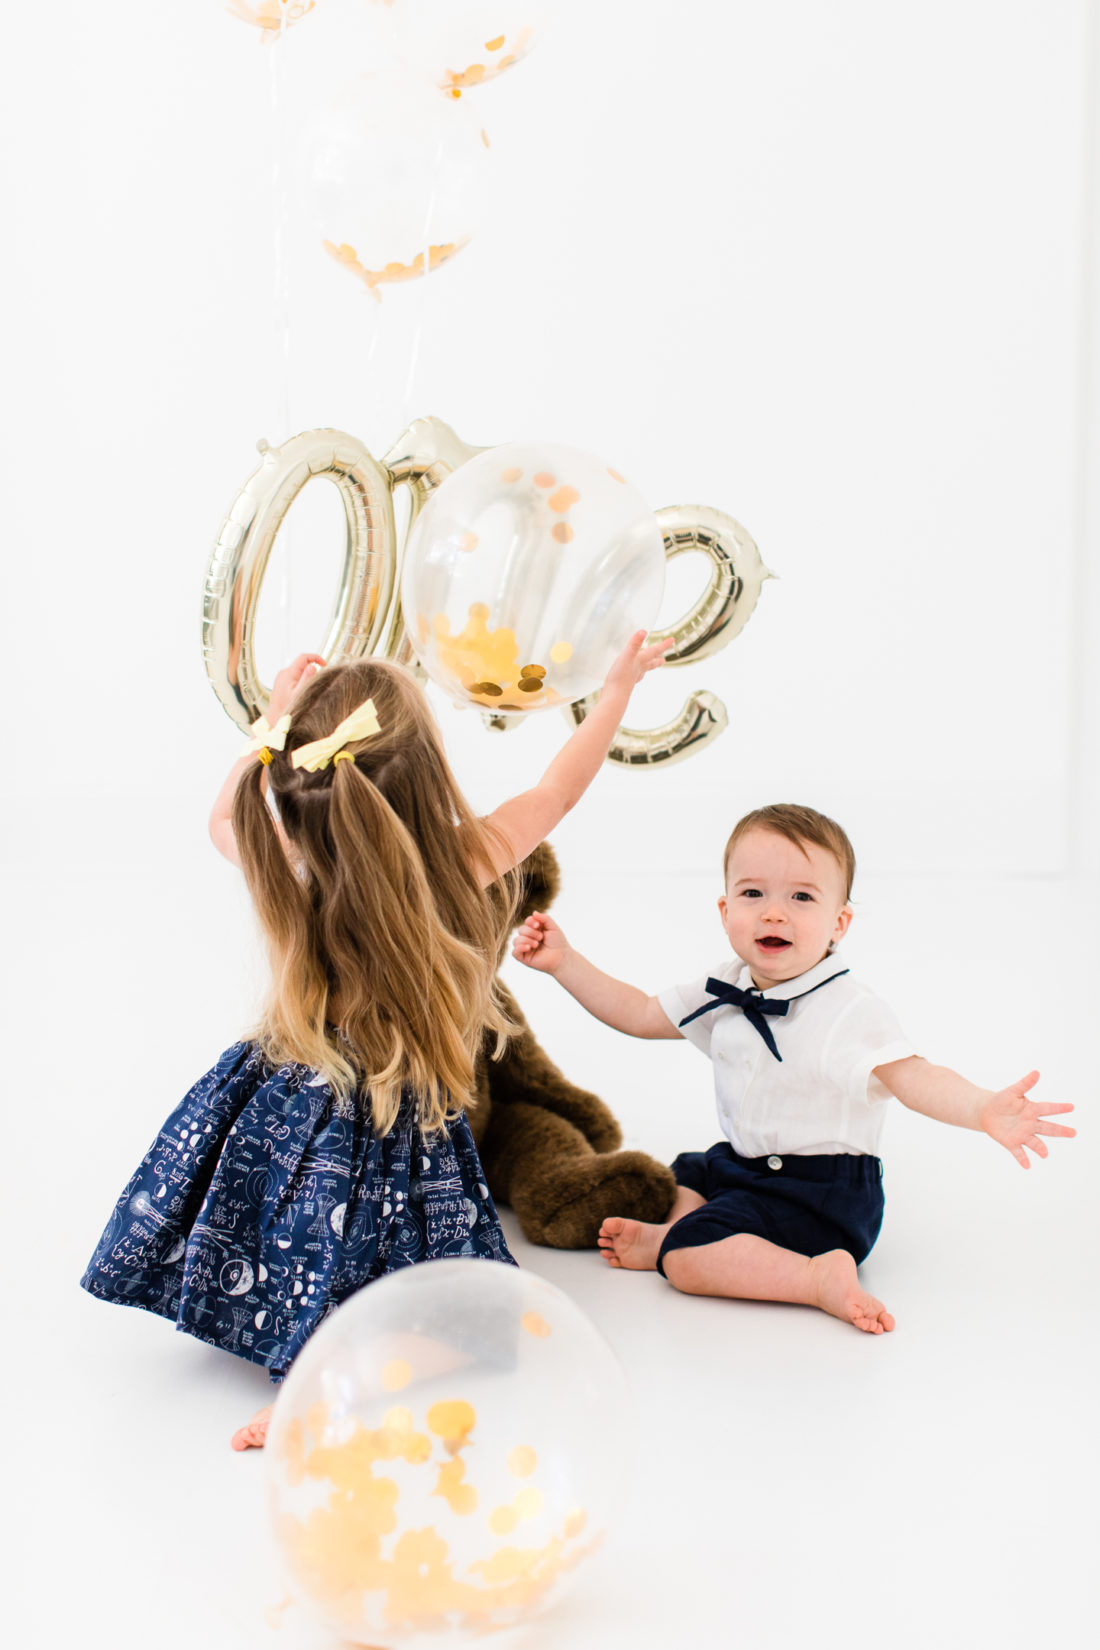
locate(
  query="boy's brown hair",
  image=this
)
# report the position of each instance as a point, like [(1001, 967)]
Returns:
[(799, 825)]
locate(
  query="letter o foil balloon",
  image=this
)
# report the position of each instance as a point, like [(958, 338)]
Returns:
[(525, 574), (446, 1453)]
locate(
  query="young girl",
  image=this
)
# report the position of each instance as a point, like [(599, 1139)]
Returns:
[(331, 1146)]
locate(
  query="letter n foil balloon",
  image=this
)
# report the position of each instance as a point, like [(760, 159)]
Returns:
[(525, 574)]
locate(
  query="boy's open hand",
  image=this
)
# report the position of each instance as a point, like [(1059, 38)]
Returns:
[(541, 944), (289, 680), (1015, 1121), (635, 661)]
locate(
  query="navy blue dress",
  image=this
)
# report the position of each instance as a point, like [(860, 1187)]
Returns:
[(264, 1202)]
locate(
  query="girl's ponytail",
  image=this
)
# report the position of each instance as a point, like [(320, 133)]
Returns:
[(296, 1013), (417, 978), (375, 906)]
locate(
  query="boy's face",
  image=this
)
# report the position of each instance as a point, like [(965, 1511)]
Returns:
[(783, 907)]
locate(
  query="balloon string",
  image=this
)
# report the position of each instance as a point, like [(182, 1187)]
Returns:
[(282, 308), (426, 241), (373, 335), (414, 356)]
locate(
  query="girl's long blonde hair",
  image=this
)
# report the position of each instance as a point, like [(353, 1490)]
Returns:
[(379, 922)]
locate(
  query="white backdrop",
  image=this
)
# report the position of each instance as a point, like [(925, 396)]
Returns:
[(830, 268), (822, 267)]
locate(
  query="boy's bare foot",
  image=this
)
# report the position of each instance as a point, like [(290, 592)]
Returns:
[(631, 1244), (839, 1292), (254, 1435)]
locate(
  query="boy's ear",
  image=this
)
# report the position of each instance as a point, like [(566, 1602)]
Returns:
[(722, 909), (843, 922)]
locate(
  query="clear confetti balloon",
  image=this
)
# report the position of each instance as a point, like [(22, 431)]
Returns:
[(273, 17), (395, 176), (525, 574), (460, 44), (445, 1454)]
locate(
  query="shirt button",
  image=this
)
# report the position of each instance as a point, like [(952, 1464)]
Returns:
[(775, 1162)]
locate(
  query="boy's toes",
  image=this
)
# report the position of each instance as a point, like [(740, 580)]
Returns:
[(872, 1317)]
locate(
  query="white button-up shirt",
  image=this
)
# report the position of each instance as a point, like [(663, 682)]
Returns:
[(821, 1097)]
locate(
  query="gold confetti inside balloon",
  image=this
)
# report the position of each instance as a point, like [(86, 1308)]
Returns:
[(395, 177), (524, 575), (273, 17), (447, 1451), (461, 44)]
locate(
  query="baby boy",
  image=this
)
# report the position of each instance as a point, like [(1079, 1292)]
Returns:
[(788, 1204)]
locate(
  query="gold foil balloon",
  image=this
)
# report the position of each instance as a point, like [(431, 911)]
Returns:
[(445, 1454), (736, 576), (524, 575), (273, 17), (420, 460), (396, 178), (235, 573), (367, 609)]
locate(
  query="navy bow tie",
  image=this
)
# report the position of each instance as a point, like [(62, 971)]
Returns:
[(754, 1005)]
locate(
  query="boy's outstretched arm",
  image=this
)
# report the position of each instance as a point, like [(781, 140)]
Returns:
[(541, 944), (1007, 1116)]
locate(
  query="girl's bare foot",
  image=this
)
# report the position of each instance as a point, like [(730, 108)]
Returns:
[(254, 1435), (838, 1291), (631, 1244)]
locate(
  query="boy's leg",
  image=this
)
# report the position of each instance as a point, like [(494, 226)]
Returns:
[(634, 1244), (746, 1267)]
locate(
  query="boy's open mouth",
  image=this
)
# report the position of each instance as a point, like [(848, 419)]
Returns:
[(772, 942)]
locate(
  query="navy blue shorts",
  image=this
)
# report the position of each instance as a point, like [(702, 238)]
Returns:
[(808, 1204)]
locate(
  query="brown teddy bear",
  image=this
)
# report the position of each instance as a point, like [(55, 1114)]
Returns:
[(549, 1149)]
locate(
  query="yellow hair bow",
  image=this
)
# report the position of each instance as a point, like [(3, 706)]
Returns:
[(359, 725), (265, 737)]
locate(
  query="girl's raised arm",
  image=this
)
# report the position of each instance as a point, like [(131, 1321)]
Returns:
[(520, 824), (286, 685)]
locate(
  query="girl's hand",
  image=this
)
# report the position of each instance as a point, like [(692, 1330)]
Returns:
[(634, 662), (521, 824), (1013, 1120), (541, 944), (289, 680)]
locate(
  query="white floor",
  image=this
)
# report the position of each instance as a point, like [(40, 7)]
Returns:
[(797, 1483)]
